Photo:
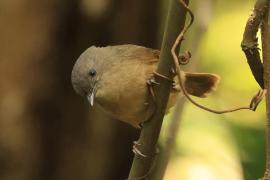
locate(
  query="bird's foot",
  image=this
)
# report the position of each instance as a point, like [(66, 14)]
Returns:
[(173, 71), (150, 82), (140, 125), (163, 76), (136, 151)]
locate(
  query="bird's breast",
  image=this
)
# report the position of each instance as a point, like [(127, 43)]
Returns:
[(126, 99)]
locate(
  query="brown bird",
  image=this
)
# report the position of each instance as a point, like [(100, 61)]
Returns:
[(115, 77)]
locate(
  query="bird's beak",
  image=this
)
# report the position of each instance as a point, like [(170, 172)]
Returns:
[(91, 96)]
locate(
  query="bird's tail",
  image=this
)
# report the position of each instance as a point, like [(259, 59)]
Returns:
[(200, 84)]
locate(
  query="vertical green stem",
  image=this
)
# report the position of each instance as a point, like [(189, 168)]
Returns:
[(142, 166)]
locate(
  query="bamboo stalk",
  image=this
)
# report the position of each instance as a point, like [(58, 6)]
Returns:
[(142, 166)]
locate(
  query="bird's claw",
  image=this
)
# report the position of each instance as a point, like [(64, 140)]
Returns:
[(173, 71), (136, 151), (152, 81), (140, 125)]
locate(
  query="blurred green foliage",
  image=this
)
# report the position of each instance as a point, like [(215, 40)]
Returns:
[(231, 146)]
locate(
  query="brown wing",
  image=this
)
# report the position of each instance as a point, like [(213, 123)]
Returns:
[(144, 54)]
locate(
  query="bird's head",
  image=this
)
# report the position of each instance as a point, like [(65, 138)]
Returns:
[(86, 74)]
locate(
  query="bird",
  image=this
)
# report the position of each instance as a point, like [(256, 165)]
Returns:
[(116, 78)]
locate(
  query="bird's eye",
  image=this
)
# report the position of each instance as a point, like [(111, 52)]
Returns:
[(92, 72)]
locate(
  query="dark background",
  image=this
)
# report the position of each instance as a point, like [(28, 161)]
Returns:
[(47, 131)]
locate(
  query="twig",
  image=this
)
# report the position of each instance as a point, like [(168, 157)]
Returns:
[(265, 29), (254, 101), (175, 22)]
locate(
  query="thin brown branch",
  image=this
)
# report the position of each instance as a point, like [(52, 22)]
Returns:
[(250, 41), (265, 29), (254, 101)]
